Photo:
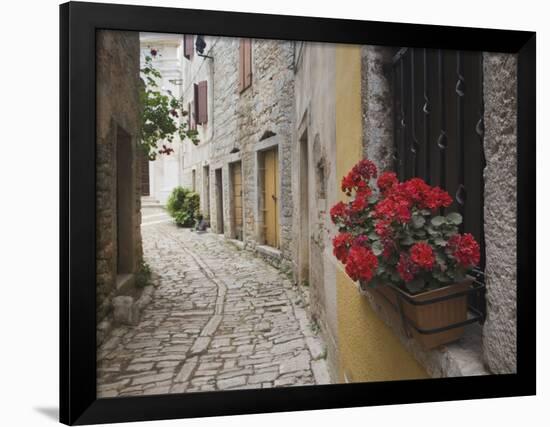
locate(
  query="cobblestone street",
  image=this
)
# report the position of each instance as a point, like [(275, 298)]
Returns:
[(220, 318)]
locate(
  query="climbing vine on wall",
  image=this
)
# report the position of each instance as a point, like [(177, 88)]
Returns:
[(161, 113)]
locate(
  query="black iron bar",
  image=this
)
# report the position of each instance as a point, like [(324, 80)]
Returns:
[(414, 141), (460, 90), (395, 156), (426, 110), (442, 139), (403, 123)]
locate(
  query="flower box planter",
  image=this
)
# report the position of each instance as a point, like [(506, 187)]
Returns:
[(393, 238), (433, 318)]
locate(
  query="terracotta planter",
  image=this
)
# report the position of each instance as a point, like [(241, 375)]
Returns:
[(430, 316)]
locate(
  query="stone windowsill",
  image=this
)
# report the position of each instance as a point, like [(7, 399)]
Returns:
[(457, 359)]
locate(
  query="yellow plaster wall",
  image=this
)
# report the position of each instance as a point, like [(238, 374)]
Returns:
[(368, 349)]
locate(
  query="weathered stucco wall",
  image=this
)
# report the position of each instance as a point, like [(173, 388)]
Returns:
[(315, 185), (500, 97), (117, 73)]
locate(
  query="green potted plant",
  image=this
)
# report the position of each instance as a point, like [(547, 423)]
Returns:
[(392, 237), (183, 206)]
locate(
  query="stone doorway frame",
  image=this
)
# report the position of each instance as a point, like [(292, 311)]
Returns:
[(124, 202)]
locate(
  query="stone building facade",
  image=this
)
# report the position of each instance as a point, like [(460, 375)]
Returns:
[(119, 249), (244, 126)]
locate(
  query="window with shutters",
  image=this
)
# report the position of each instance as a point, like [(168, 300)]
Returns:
[(245, 64), (201, 102), (438, 131), (188, 47)]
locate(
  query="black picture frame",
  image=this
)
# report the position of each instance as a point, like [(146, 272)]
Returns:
[(78, 24)]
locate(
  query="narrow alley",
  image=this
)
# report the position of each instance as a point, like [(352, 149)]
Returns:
[(220, 318)]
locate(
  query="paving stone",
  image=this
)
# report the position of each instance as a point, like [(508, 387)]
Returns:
[(200, 345), (140, 367), (287, 346), (263, 377), (231, 382), (186, 370), (201, 333), (298, 363), (151, 378)]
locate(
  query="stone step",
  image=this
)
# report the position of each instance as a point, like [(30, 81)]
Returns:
[(149, 202)]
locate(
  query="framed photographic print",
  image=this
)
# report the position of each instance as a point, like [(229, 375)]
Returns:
[(268, 213)]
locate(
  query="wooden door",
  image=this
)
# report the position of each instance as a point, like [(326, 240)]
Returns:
[(144, 173), (271, 197), (237, 192), (219, 201)]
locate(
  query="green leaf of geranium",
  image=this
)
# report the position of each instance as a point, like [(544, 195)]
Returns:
[(440, 241), (431, 231), (373, 236), (454, 218), (438, 221), (407, 240), (418, 221), (420, 234), (450, 231), (377, 248)]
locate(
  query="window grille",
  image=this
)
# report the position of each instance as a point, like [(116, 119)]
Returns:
[(438, 132)]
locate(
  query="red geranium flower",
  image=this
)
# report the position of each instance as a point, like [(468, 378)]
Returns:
[(359, 176), (382, 228), (389, 247), (464, 249), (386, 181), (422, 255), (154, 52), (341, 244), (338, 212), (361, 200), (361, 263), (436, 198), (361, 241), (406, 268)]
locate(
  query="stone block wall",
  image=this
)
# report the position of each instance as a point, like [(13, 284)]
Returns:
[(241, 123), (500, 144), (118, 84)]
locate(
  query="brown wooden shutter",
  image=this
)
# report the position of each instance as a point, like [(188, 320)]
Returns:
[(247, 63), (195, 103), (188, 47), (203, 102), (241, 65)]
